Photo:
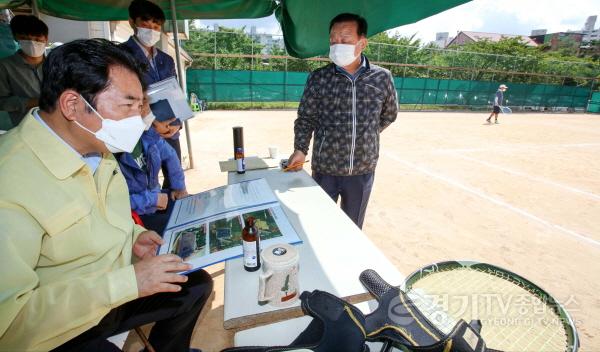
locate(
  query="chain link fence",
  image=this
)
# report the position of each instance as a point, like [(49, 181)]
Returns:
[(240, 67)]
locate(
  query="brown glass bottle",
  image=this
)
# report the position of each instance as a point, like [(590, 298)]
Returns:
[(251, 245)]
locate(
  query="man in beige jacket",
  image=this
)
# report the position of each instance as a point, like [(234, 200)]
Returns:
[(74, 267)]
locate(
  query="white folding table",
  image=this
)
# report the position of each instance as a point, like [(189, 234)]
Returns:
[(333, 254)]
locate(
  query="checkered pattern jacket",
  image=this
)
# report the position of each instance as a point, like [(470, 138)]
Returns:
[(346, 115)]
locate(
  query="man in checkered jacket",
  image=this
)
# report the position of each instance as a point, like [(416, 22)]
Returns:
[(346, 105)]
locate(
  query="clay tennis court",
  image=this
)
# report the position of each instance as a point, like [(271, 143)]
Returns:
[(523, 195)]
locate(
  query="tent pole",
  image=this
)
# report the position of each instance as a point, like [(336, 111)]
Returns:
[(180, 76), (34, 8)]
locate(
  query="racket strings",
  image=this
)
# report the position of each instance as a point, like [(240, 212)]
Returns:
[(506, 307), (548, 341)]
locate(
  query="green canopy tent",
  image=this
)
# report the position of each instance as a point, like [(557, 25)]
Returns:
[(305, 23), (115, 10)]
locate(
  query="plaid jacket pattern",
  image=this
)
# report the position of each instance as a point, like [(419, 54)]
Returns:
[(346, 114)]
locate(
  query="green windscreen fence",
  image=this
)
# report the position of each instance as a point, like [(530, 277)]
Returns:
[(271, 86), (246, 86), (594, 105)]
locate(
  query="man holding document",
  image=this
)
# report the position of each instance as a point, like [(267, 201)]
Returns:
[(74, 267), (146, 18)]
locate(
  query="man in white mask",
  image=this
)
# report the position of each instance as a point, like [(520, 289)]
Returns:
[(21, 73), (75, 268), (146, 18), (346, 105)]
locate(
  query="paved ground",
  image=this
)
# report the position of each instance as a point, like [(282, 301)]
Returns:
[(524, 195)]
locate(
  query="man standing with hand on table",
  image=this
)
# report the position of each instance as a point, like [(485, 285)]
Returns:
[(346, 104)]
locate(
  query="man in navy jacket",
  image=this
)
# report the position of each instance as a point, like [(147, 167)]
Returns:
[(146, 19), (140, 169)]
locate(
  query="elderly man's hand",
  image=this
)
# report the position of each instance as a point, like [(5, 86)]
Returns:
[(297, 158), (159, 274), (147, 244)]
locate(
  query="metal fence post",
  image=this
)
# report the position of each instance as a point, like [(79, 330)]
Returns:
[(285, 86), (215, 51), (405, 62), (424, 89), (251, 72), (591, 93), (495, 68), (452, 64)]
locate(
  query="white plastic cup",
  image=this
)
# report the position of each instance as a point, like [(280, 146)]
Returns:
[(273, 152)]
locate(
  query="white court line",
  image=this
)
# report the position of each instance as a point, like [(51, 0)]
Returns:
[(522, 147), (534, 178), (560, 126), (496, 201)]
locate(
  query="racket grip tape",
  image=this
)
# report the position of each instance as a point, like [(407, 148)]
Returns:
[(376, 285)]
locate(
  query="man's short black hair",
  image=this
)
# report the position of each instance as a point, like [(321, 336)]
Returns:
[(146, 10), (361, 23), (28, 25), (82, 65)]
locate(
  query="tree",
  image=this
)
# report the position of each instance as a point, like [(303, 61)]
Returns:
[(395, 48), (224, 41), (506, 55), (293, 64)]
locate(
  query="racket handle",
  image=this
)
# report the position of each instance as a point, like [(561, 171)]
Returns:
[(374, 283)]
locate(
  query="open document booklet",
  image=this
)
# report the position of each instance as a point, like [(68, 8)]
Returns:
[(206, 228)]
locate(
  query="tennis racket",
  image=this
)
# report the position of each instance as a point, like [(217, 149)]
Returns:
[(505, 110), (515, 314)]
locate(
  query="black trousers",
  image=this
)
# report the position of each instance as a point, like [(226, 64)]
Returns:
[(177, 146), (175, 314), (354, 191)]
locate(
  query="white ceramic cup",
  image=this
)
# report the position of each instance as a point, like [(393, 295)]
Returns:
[(273, 152), (278, 281)]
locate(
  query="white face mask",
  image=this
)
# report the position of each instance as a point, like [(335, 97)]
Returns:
[(342, 54), (118, 136), (148, 119), (148, 37), (32, 48)]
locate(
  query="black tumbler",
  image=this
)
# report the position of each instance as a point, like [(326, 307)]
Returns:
[(238, 149)]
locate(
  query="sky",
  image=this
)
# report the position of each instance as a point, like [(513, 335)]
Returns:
[(496, 16)]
